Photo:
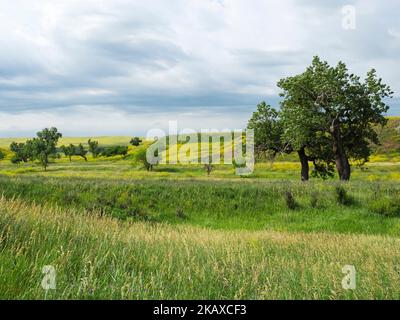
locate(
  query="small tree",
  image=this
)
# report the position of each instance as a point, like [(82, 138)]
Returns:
[(2, 155), (22, 152), (69, 151), (114, 151), (73, 150), (268, 130), (141, 157), (44, 145), (136, 141), (94, 148), (81, 152)]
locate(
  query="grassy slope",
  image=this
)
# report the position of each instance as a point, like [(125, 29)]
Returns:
[(225, 237), (105, 141), (114, 168), (235, 205), (101, 258), (389, 137), (390, 141)]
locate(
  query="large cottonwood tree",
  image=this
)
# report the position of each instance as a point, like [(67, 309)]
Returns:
[(272, 136), (339, 107)]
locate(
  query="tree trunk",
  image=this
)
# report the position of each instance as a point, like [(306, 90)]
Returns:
[(341, 160), (304, 165)]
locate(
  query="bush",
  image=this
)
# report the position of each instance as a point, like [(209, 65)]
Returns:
[(314, 199), (22, 152), (114, 151), (141, 157), (342, 197), (389, 207), (136, 141), (290, 200), (124, 201), (180, 213)]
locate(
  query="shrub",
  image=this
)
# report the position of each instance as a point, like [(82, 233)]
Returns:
[(141, 157), (180, 214), (389, 207), (290, 200), (139, 213), (342, 197), (115, 151), (136, 141), (314, 199), (22, 152), (124, 201)]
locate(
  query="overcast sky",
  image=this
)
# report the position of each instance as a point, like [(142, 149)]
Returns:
[(124, 67)]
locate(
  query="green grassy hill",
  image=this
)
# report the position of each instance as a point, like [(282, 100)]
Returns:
[(388, 150), (390, 139), (103, 140), (113, 230)]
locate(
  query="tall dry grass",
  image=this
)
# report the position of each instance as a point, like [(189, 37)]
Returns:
[(103, 258)]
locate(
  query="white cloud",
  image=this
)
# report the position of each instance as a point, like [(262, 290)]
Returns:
[(165, 55), (92, 120)]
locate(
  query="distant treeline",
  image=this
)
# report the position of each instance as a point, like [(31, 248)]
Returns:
[(43, 148)]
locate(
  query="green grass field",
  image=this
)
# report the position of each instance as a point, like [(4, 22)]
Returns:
[(112, 230), (101, 258)]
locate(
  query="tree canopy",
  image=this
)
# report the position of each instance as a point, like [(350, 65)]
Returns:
[(136, 141), (327, 115), (44, 145)]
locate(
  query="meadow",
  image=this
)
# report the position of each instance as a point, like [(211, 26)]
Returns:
[(113, 230), (98, 257)]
